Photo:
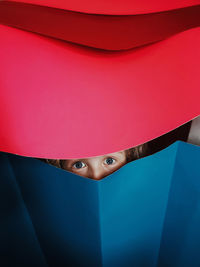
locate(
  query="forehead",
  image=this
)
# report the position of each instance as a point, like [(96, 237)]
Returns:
[(114, 154), (119, 154)]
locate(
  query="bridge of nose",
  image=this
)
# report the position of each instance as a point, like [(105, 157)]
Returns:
[(96, 169)]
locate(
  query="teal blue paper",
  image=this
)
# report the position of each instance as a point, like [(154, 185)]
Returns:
[(19, 245), (145, 214)]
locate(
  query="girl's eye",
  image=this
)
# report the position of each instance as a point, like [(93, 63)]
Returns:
[(110, 161), (79, 165)]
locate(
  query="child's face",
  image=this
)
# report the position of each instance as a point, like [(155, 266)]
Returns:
[(96, 167)]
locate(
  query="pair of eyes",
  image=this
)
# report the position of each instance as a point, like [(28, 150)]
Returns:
[(81, 164)]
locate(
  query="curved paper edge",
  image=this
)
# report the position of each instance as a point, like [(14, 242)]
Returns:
[(111, 7), (63, 101), (99, 31)]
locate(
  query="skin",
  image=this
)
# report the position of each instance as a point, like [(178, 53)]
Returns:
[(96, 167)]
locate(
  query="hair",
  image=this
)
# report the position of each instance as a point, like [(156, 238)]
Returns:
[(131, 154), (151, 147), (54, 162), (137, 152)]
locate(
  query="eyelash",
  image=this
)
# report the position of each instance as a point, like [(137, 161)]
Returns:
[(109, 158), (106, 163), (79, 168)]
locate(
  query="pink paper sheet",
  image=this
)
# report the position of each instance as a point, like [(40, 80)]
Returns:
[(99, 31), (59, 100), (114, 7)]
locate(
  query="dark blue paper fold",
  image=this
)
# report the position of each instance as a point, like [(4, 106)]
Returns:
[(145, 214), (19, 245)]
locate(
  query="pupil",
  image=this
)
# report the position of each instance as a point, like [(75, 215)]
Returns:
[(109, 161), (79, 164)]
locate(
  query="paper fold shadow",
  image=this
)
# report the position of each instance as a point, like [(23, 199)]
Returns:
[(145, 214)]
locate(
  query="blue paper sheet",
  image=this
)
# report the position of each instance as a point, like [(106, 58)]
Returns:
[(145, 214)]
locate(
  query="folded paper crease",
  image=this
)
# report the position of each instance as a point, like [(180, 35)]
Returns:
[(139, 215), (99, 31)]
